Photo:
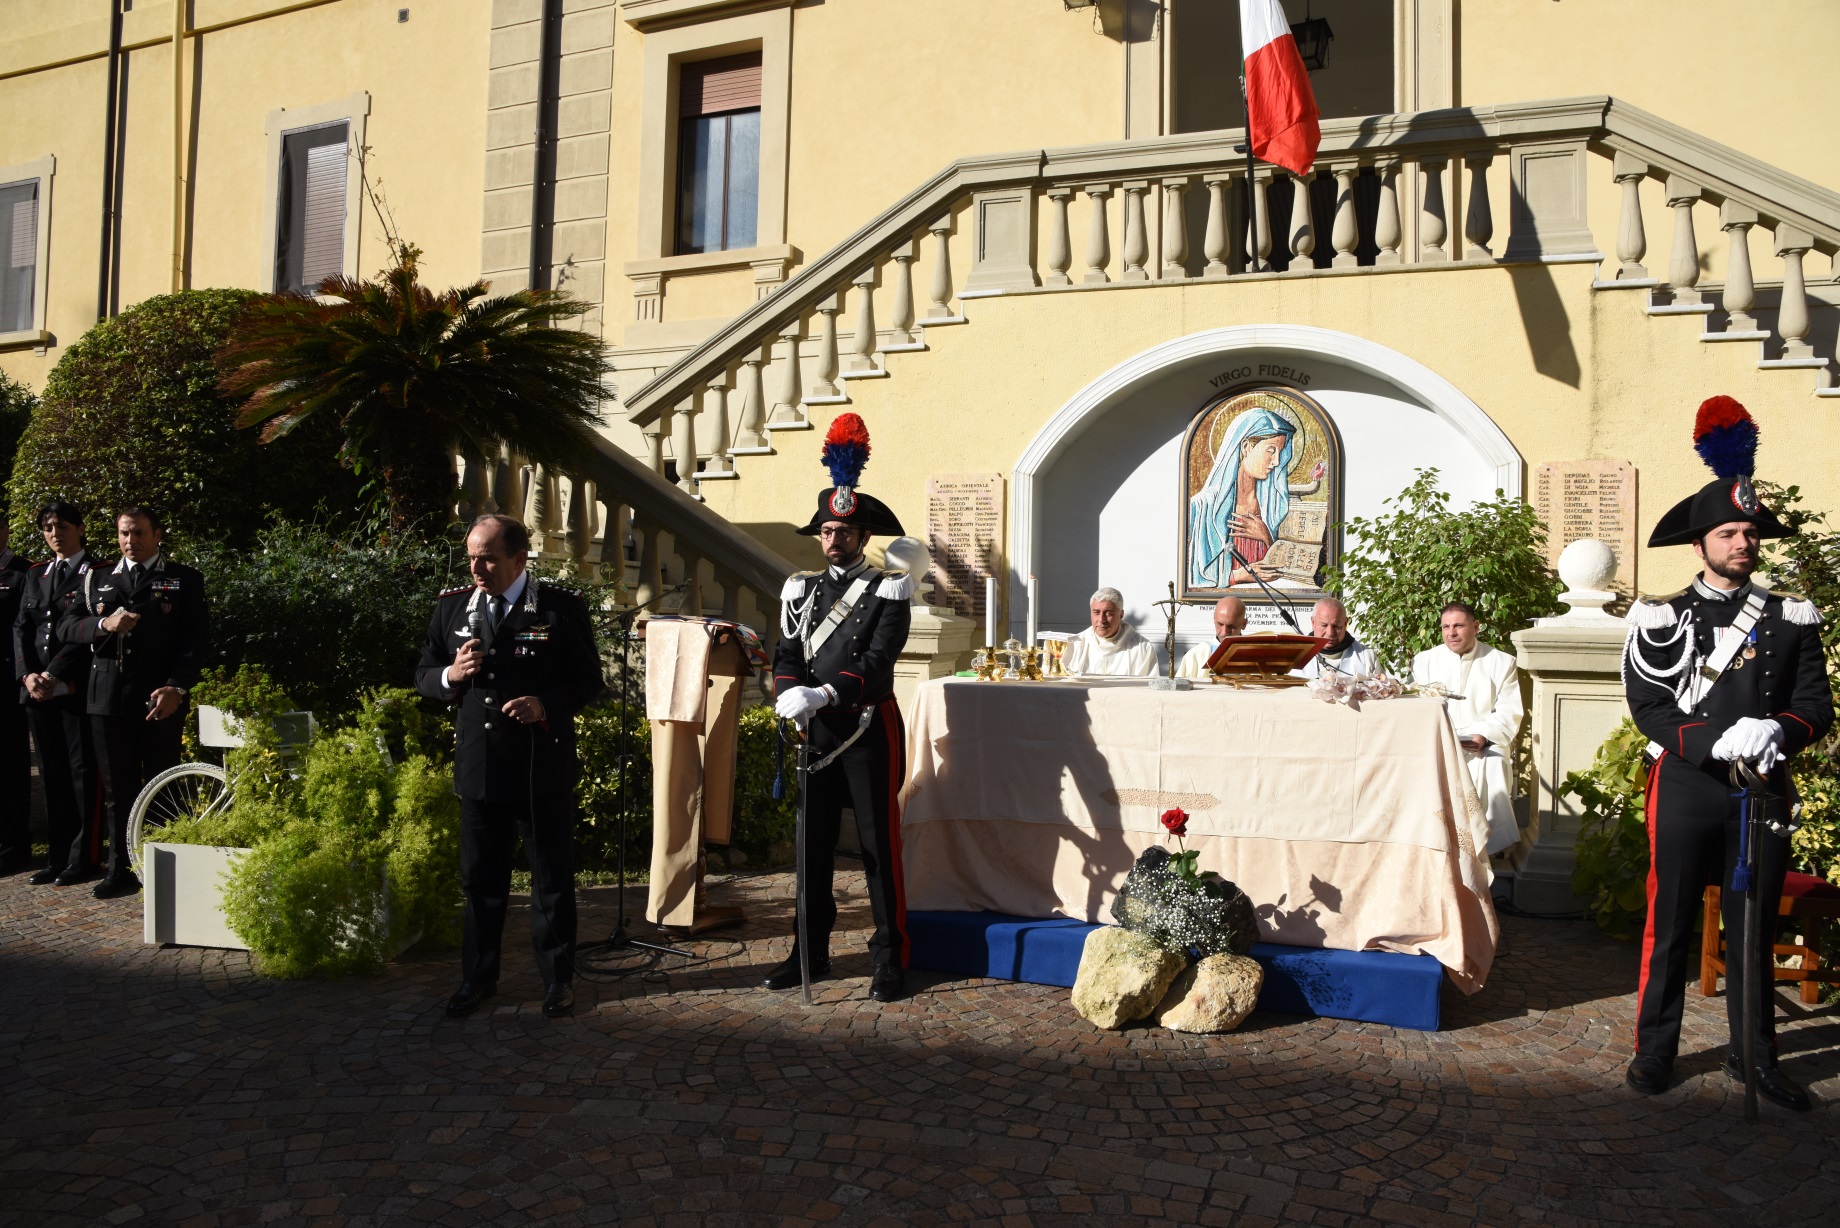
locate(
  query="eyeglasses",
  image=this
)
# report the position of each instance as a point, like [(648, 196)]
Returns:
[(839, 531)]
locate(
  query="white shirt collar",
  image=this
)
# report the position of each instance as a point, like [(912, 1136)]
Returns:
[(515, 593), (147, 563), (844, 573), (1719, 594)]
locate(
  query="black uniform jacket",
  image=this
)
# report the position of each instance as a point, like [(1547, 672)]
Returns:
[(857, 660), (1785, 681), (166, 648), (37, 647), (544, 646), (13, 580)]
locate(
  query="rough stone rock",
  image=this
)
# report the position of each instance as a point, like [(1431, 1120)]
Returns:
[(1212, 995), (1122, 976)]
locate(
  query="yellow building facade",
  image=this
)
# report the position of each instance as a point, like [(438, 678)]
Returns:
[(1014, 235)]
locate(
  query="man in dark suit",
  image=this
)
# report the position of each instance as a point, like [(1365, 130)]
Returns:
[(518, 657), (842, 630), (53, 679), (147, 627), (15, 755)]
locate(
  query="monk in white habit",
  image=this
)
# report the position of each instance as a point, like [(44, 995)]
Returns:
[(1486, 716), (1110, 646), (1345, 654), (1229, 624)]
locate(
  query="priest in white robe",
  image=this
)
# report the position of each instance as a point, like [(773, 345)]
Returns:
[(1229, 623), (1111, 646), (1345, 654), (1486, 717)]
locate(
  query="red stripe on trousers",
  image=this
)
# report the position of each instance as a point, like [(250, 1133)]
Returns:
[(897, 776), (1648, 930)]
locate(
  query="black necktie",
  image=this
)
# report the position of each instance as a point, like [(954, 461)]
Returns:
[(57, 576), (497, 606)]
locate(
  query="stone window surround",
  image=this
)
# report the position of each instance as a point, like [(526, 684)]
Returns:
[(353, 111), (41, 169), (768, 32)]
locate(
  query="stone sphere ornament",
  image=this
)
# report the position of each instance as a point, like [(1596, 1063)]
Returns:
[(910, 554)]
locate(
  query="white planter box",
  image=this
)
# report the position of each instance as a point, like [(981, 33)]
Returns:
[(217, 728), (183, 895)]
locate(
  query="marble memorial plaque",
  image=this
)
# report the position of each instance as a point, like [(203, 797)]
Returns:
[(1589, 498), (964, 531)]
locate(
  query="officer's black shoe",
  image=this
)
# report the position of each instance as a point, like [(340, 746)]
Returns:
[(73, 875), (467, 999), (887, 985), (47, 875), (1649, 1075), (119, 883), (558, 999), (785, 975), (1772, 1084)]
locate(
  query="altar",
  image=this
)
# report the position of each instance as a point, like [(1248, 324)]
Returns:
[(1349, 829)]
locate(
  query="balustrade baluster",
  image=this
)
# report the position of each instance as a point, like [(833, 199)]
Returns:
[(715, 405), (691, 602), (477, 489), (654, 433), (1175, 231), (862, 345), (545, 515), (751, 439), (616, 520), (1433, 229), (1261, 222), (1098, 238), (941, 292), (1136, 234), (1631, 238), (509, 484), (651, 570), (788, 414), (1792, 314), (580, 537), (731, 593), (1740, 293), (1478, 222), (901, 318), (683, 445), (1347, 232), (1303, 234), (1683, 261), (1387, 231), (1214, 244), (1060, 240), (825, 387)]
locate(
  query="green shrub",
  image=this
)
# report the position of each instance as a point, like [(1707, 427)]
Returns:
[(1611, 871), (1402, 567), (16, 405), (132, 414), (327, 612)]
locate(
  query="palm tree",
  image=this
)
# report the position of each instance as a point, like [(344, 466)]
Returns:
[(411, 374)]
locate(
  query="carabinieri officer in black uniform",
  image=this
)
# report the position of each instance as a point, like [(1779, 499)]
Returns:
[(841, 632), (1721, 671), (15, 757), (146, 624), (518, 657)]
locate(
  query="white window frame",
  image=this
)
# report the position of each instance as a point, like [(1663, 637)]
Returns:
[(42, 170), (353, 112)]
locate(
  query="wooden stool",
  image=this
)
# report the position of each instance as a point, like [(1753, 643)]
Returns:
[(1803, 895)]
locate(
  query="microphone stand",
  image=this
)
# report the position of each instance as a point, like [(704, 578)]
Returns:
[(620, 939)]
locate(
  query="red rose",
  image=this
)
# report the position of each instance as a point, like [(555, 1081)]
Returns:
[(1176, 821)]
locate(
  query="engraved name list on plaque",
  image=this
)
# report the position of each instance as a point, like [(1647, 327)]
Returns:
[(1589, 498), (964, 531)]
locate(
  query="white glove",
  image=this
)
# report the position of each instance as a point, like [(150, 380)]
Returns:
[(799, 702), (1749, 738)]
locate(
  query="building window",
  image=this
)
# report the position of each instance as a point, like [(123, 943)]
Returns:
[(19, 244), (310, 207), (718, 155)]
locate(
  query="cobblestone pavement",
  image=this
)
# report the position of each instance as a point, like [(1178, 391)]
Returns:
[(145, 1085)]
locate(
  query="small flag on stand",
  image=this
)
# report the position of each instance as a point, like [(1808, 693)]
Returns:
[(1281, 109)]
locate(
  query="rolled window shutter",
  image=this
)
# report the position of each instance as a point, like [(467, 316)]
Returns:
[(24, 254), (712, 87), (18, 254), (323, 233)]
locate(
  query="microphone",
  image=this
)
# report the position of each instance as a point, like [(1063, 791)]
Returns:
[(476, 622), (1281, 603)]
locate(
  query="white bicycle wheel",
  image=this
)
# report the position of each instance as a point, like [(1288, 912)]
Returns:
[(183, 792)]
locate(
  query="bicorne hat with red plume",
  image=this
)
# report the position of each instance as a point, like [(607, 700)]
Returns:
[(1725, 436), (846, 451)]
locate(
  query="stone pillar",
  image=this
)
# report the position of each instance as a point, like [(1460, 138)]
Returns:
[(1060, 240), (937, 639), (1575, 661)]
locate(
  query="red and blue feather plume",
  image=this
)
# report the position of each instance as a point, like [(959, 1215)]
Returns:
[(1725, 436), (846, 450)]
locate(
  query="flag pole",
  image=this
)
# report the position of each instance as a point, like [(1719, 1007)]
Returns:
[(1252, 205)]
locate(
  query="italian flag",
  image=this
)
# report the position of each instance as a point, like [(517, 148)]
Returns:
[(1281, 109)]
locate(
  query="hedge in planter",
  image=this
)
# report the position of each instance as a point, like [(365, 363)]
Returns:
[(351, 857)]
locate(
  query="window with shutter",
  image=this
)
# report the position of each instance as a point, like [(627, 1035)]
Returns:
[(718, 154), (19, 245), (310, 217)]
